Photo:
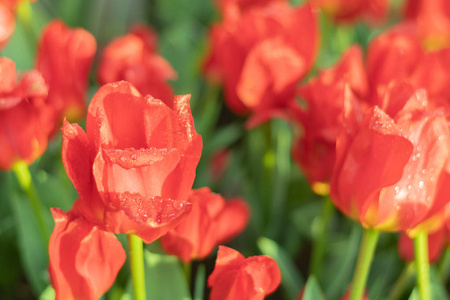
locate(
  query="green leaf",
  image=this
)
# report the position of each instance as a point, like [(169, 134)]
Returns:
[(312, 290), (48, 293), (305, 215), (438, 291), (33, 252), (340, 265), (414, 295), (224, 137), (164, 278), (385, 266), (55, 191), (291, 280)]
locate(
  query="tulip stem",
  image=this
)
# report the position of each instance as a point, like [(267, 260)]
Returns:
[(422, 265), (137, 266), (25, 180), (25, 12), (366, 252), (402, 282), (318, 250), (187, 272), (199, 282)]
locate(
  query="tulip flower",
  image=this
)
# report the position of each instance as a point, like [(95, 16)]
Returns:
[(432, 18), (400, 47), (261, 57), (212, 221), (135, 165), (65, 58), (391, 168), (319, 118), (26, 118), (7, 24), (239, 278), (133, 58), (431, 73), (233, 9), (84, 260)]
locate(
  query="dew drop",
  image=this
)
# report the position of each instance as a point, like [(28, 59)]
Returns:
[(178, 205)]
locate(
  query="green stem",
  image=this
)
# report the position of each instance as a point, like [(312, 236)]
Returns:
[(318, 250), (25, 180), (187, 272), (402, 282), (422, 265), (199, 282), (366, 251), (25, 13), (137, 266)]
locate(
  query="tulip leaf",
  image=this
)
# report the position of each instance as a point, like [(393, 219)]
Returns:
[(312, 290), (48, 293), (341, 261), (55, 191), (438, 290), (9, 253), (164, 278), (384, 268), (33, 251), (291, 280), (224, 137)]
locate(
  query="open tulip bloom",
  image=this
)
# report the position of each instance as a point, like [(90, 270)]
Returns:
[(133, 170)]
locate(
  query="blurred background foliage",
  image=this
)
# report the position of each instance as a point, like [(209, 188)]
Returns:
[(258, 167)]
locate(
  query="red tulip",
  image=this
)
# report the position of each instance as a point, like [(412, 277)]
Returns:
[(262, 56), (135, 166), (432, 73), (26, 119), (65, 59), (132, 58), (7, 24), (147, 35), (238, 278), (314, 149), (398, 47), (351, 10), (212, 221), (84, 260), (432, 18), (391, 168), (233, 9)]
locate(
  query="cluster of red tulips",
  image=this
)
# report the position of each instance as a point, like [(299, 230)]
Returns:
[(357, 90)]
